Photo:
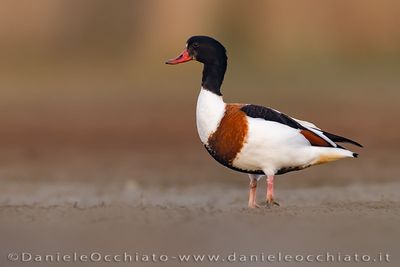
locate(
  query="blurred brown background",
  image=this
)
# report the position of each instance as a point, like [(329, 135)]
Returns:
[(98, 145), (92, 72), (89, 76)]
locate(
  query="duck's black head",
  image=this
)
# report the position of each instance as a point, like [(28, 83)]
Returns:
[(212, 54)]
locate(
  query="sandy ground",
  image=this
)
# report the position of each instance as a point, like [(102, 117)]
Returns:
[(116, 202)]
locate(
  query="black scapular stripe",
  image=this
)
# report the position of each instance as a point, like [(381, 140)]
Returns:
[(256, 111)]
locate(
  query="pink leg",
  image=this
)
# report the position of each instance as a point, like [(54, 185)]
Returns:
[(270, 191), (252, 193)]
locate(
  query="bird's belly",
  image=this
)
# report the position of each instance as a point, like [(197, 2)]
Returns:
[(271, 147)]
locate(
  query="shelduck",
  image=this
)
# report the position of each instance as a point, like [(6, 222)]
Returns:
[(253, 139)]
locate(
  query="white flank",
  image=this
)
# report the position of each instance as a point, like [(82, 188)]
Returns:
[(271, 146), (209, 112)]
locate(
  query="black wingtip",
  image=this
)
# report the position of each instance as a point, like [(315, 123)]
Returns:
[(355, 155), (357, 144), (346, 140), (340, 139)]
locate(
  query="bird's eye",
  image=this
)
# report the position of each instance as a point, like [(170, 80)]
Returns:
[(195, 45)]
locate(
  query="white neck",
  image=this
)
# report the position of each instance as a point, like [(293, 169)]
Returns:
[(209, 112)]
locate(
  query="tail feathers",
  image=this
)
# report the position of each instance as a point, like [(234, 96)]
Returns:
[(326, 154), (341, 139)]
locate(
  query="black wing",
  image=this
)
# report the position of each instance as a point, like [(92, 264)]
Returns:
[(269, 114), (256, 111)]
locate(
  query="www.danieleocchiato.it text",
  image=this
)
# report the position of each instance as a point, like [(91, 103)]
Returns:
[(233, 257)]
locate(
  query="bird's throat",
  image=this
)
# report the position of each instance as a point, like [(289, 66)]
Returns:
[(213, 76)]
